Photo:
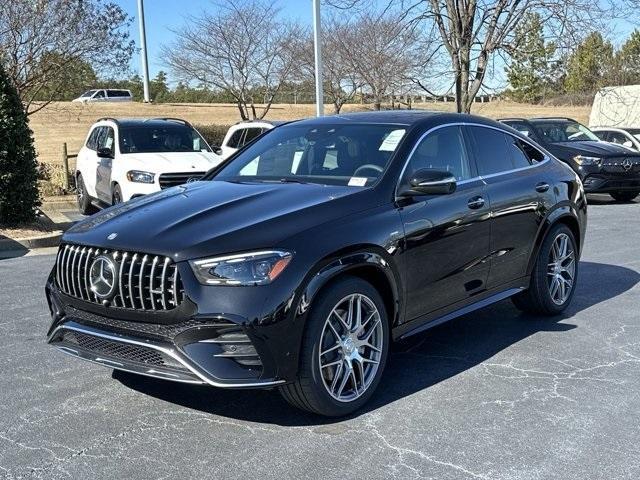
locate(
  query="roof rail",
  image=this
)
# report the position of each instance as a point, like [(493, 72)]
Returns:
[(553, 118), (171, 119), (110, 119), (511, 118)]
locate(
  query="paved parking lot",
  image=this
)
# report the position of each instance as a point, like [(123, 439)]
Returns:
[(495, 394)]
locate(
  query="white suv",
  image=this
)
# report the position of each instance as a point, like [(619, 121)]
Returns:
[(109, 95), (126, 158), (242, 133)]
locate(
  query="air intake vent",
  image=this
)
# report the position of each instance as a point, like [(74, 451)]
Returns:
[(135, 281)]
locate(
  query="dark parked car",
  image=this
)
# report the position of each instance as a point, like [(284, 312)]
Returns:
[(603, 167), (298, 262)]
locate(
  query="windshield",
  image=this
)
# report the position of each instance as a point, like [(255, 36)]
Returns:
[(88, 94), (556, 132), (354, 155), (166, 138)]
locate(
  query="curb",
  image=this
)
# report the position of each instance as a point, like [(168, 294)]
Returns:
[(43, 241)]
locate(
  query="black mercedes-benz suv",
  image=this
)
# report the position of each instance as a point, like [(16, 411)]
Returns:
[(300, 259), (603, 167)]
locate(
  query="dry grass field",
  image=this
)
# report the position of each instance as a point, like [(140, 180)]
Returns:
[(69, 122)]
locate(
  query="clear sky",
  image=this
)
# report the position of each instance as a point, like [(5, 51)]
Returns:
[(163, 15)]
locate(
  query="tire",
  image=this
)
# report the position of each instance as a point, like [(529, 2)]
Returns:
[(311, 390), (84, 200), (543, 297), (625, 196), (116, 195)]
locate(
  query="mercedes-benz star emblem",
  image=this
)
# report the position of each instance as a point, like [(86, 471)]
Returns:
[(626, 163), (102, 276)]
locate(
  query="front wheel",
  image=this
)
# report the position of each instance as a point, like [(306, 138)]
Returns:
[(554, 275), (344, 350), (625, 196)]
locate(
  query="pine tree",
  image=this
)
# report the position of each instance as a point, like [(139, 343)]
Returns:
[(590, 65), (628, 61), (19, 194), (531, 64)]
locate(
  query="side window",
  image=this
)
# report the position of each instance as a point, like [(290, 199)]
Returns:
[(92, 141), (522, 127), (99, 94), (492, 151), (100, 138), (251, 134), (107, 139), (602, 135), (236, 138), (443, 149), (618, 138), (523, 154)]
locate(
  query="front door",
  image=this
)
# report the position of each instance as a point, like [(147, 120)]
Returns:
[(106, 139), (446, 236)]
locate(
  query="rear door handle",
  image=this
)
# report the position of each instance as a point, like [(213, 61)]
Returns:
[(542, 187), (475, 203)]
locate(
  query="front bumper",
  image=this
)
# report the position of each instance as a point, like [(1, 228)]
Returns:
[(609, 178), (198, 350)]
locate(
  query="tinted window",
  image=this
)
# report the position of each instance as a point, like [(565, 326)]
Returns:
[(519, 152), (172, 137), (619, 138), (251, 134), (492, 151), (106, 140), (444, 150), (556, 131), (92, 141), (352, 154), (100, 94), (603, 135), (236, 138), (118, 93), (522, 127)]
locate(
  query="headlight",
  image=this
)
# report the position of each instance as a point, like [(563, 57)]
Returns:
[(254, 268), (582, 160), (140, 177)]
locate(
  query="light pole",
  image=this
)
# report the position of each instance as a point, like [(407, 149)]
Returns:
[(317, 49), (143, 51)]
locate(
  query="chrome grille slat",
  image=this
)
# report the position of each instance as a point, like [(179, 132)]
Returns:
[(156, 287)]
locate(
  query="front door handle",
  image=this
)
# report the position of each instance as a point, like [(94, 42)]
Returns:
[(475, 203), (542, 187)]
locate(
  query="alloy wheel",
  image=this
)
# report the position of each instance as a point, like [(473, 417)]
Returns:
[(561, 269), (351, 345)]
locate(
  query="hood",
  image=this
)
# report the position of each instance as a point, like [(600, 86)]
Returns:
[(568, 150), (217, 217), (172, 161)]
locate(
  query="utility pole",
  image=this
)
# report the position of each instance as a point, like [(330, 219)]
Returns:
[(317, 49), (143, 51)]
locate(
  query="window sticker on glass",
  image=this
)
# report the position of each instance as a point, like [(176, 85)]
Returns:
[(392, 140), (357, 181)]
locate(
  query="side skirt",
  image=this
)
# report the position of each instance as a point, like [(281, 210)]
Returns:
[(428, 321)]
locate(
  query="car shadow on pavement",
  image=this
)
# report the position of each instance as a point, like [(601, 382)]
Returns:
[(422, 361), (606, 199)]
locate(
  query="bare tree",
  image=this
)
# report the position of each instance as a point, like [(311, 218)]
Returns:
[(242, 49), (473, 31), (382, 51), (340, 81), (41, 39)]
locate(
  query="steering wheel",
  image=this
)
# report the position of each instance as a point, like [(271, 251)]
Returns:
[(368, 166)]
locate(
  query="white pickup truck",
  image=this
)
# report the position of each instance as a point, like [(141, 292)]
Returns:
[(126, 158)]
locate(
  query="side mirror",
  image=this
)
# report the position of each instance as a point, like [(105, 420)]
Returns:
[(628, 144), (217, 150), (105, 153), (430, 182)]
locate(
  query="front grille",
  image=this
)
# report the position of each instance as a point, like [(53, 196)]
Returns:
[(142, 281), (168, 180), (616, 165), (122, 351)]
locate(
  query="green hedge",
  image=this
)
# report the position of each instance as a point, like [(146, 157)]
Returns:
[(213, 134)]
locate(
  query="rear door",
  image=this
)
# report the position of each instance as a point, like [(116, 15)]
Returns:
[(446, 236), (520, 194)]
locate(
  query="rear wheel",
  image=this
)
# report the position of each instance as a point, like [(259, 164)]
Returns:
[(554, 275), (84, 200), (344, 350), (625, 196)]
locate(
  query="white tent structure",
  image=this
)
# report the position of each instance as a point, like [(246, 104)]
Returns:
[(616, 107)]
